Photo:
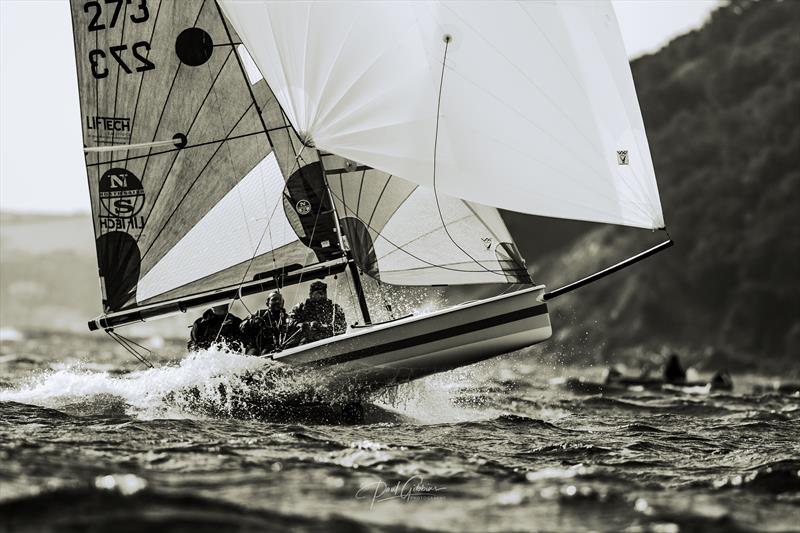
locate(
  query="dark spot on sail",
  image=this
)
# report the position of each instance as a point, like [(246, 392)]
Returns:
[(308, 208), (194, 46), (119, 261), (361, 245)]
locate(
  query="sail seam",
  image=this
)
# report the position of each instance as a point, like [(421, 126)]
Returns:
[(141, 80), (188, 190), (168, 173), (164, 108), (116, 83), (413, 256)]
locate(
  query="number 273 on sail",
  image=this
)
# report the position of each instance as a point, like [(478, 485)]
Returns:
[(99, 58)]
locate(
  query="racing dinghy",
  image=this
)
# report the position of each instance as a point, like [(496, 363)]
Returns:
[(238, 147)]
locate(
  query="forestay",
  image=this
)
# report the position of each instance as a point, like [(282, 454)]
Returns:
[(538, 109)]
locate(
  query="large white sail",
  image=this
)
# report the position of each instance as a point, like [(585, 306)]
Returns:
[(538, 112)]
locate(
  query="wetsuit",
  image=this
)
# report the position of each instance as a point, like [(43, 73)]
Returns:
[(264, 332), (212, 327), (311, 321)]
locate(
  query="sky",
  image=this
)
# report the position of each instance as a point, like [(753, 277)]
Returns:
[(41, 160)]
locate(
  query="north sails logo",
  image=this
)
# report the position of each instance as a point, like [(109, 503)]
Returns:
[(121, 196), (303, 207)]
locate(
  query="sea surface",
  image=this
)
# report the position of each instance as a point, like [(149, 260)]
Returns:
[(91, 440)]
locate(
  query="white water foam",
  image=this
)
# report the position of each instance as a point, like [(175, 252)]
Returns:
[(143, 390), (430, 400)]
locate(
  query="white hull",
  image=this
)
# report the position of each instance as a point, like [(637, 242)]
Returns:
[(417, 346)]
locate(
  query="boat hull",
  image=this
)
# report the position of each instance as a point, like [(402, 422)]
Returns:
[(418, 346)]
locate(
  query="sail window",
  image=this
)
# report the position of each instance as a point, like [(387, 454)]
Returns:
[(253, 74), (228, 234)]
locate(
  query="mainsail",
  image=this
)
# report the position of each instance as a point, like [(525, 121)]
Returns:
[(533, 102), (182, 177), (200, 185)]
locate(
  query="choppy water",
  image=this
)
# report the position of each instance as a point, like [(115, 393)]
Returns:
[(89, 442)]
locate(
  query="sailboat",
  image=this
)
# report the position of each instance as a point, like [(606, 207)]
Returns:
[(237, 147)]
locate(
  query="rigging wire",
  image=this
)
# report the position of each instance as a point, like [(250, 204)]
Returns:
[(255, 253), (126, 344), (413, 256), (447, 40)]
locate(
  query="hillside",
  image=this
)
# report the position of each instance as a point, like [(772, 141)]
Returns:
[(48, 275), (722, 110)]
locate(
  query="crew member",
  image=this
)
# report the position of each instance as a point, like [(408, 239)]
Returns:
[(217, 325), (264, 331), (317, 318)]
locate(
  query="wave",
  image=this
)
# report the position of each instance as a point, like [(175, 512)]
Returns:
[(206, 383), (216, 383), (126, 502)]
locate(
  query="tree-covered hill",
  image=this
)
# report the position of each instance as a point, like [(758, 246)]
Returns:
[(722, 110)]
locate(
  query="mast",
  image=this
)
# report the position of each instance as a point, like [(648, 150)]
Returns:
[(351, 262)]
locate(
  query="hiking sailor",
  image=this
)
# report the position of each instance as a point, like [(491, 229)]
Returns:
[(264, 331), (317, 318), (217, 325)]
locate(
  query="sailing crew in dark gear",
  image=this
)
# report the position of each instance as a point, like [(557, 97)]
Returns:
[(317, 318), (217, 325), (264, 331)]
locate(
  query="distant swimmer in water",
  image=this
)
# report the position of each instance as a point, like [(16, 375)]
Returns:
[(264, 331), (217, 325), (673, 371)]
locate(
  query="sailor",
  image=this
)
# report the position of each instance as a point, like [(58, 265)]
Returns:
[(317, 318), (217, 325), (673, 371), (264, 331)]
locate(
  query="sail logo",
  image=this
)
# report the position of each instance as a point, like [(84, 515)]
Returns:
[(116, 130), (622, 157), (121, 194), (303, 207)]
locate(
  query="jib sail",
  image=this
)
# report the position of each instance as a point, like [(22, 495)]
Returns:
[(405, 234)]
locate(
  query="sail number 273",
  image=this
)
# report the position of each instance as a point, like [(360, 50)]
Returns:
[(98, 59)]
